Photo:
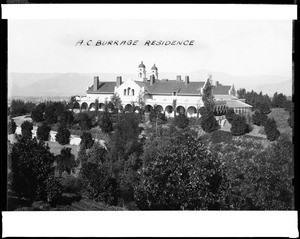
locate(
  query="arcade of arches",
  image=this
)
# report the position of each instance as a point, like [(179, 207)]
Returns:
[(190, 111)]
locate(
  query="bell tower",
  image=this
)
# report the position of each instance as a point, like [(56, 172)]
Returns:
[(154, 72), (142, 72)]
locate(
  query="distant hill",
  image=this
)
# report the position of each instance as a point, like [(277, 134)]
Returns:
[(67, 84)]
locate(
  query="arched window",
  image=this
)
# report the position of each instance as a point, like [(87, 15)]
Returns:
[(124, 91), (140, 74), (128, 91), (132, 91)]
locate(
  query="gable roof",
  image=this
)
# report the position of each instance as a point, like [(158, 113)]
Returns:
[(237, 104), (169, 86), (104, 87), (221, 89)]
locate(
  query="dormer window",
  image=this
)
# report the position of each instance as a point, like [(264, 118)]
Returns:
[(174, 93)]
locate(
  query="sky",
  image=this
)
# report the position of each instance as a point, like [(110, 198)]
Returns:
[(236, 47)]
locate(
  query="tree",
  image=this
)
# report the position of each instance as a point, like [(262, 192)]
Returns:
[(230, 115), (98, 184), (26, 128), (65, 161), (84, 121), (105, 122), (241, 93), (96, 104), (207, 96), (50, 116), (19, 107), (209, 122), (43, 132), (271, 130), (157, 117), (264, 108), (116, 101), (63, 135), (125, 138), (37, 113), (11, 126), (32, 170), (181, 175), (66, 117), (86, 140), (290, 121), (259, 118), (181, 121), (239, 126)]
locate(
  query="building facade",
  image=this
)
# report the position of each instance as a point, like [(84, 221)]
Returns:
[(180, 95)]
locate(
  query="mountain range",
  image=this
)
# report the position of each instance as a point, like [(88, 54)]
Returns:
[(68, 84)]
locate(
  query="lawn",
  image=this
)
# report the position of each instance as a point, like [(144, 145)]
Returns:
[(55, 148)]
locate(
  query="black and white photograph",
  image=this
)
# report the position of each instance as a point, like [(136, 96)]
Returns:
[(150, 115)]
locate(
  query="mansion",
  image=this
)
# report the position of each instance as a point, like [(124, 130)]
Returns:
[(180, 94)]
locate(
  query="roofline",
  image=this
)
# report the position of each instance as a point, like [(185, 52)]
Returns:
[(97, 92)]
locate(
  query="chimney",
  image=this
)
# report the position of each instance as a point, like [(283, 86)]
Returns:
[(96, 83), (179, 78), (119, 81), (152, 79), (187, 80)]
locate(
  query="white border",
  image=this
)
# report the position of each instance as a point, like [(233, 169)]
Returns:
[(152, 224), (149, 11)]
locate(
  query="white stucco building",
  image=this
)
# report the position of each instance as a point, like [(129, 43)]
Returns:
[(165, 94)]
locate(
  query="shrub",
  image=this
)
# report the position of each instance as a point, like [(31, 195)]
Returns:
[(203, 110), (239, 126), (70, 183), (209, 123), (86, 140), (271, 130), (63, 135), (290, 121), (181, 121), (43, 132), (105, 122), (259, 118), (12, 126), (26, 128)]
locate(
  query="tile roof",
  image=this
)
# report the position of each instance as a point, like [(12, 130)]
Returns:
[(221, 89), (237, 104), (169, 86), (104, 87)]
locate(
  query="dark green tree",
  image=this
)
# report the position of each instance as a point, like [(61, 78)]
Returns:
[(105, 122), (239, 126), (43, 132), (65, 161), (66, 117), (209, 123), (11, 126), (26, 129), (181, 175), (181, 121), (259, 118), (86, 140), (37, 113), (271, 130), (63, 135), (32, 170), (84, 121), (230, 115)]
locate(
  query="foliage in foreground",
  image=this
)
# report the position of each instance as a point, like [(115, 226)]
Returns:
[(32, 171), (181, 175)]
